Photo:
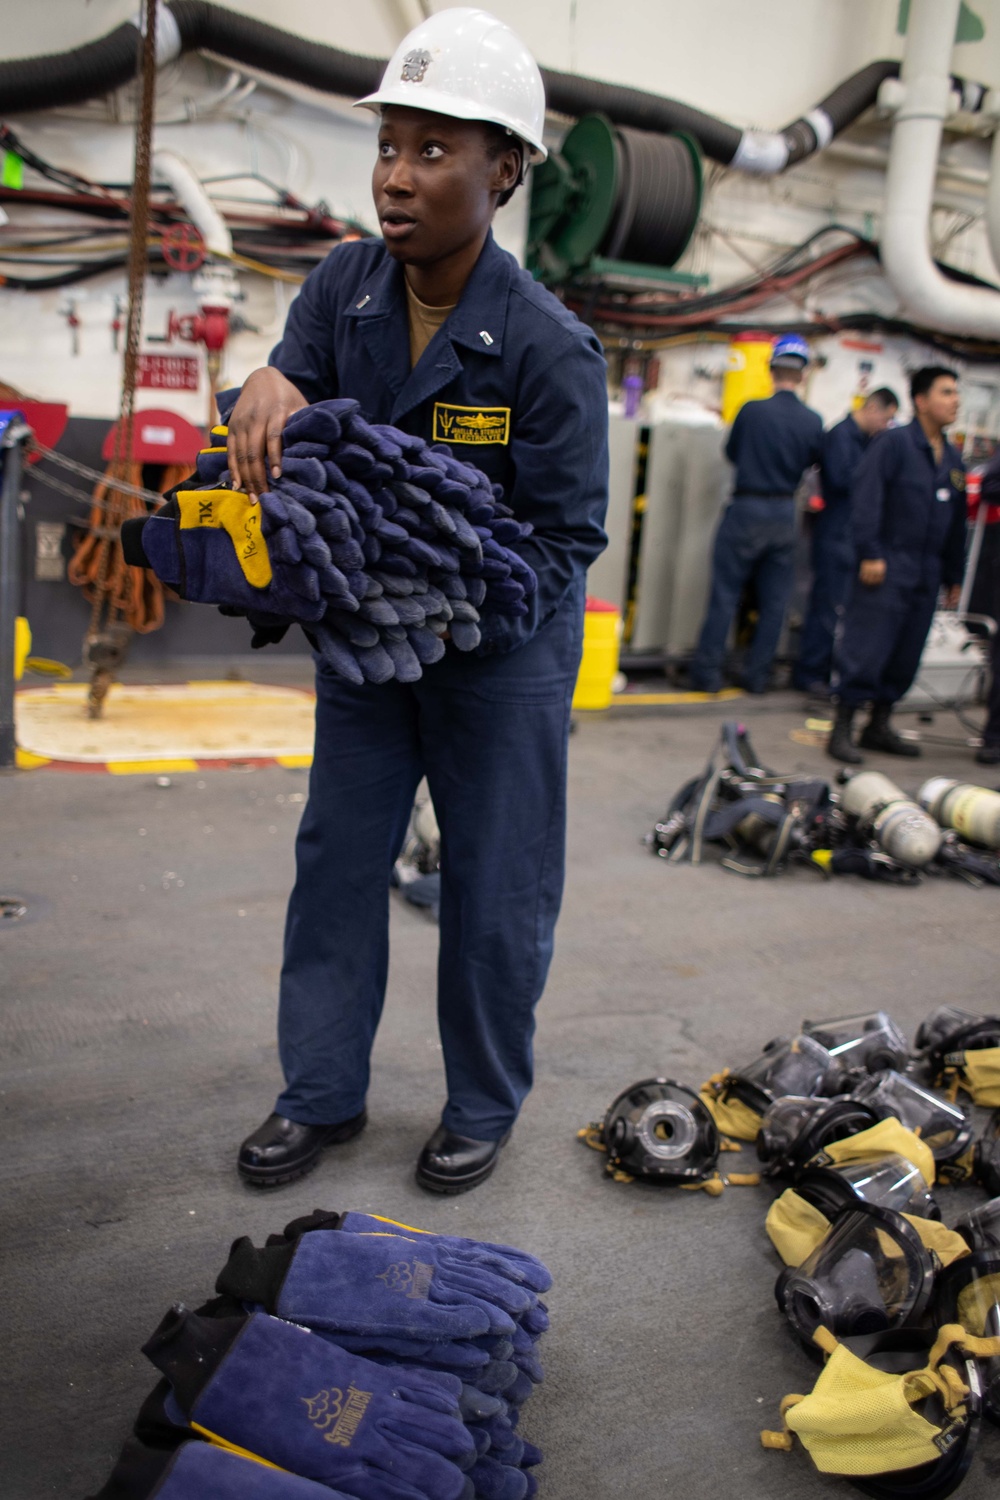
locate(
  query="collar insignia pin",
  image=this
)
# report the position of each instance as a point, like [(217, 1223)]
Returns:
[(485, 336), (362, 302)]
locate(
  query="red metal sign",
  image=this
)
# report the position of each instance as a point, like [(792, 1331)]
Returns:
[(169, 372)]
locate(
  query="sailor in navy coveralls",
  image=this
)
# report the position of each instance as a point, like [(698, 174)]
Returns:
[(908, 532), (435, 329)]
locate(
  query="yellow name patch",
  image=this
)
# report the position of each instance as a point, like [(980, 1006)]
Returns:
[(471, 424), (237, 514)]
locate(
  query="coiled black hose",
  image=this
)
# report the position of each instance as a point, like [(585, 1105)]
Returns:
[(101, 66), (659, 198)]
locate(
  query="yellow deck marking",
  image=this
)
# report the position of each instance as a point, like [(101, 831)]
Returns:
[(140, 767), (651, 700)]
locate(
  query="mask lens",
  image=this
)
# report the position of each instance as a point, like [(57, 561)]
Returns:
[(800, 1066), (863, 1043), (980, 1227), (667, 1130), (783, 1124), (943, 1126), (661, 1130), (942, 1024), (892, 1182), (870, 1273)]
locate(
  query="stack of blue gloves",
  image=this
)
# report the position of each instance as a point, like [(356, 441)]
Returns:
[(351, 1354), (376, 543)]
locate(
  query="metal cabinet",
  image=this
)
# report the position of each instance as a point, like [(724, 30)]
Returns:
[(686, 486)]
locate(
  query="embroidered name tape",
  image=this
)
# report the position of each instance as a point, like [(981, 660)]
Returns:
[(471, 424)]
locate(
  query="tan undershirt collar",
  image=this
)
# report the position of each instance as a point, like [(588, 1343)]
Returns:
[(424, 322)]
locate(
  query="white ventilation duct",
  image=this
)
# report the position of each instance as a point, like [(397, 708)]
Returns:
[(913, 155), (993, 199)]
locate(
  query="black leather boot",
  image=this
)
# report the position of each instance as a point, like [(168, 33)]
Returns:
[(878, 734), (281, 1150), (840, 745), (451, 1163)]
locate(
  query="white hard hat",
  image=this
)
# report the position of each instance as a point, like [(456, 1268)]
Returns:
[(466, 64)]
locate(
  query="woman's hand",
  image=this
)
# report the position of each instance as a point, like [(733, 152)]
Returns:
[(872, 572), (266, 402)]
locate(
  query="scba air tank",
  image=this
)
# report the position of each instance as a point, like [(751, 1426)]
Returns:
[(896, 823), (972, 811)]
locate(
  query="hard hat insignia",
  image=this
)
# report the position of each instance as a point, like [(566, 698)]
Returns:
[(415, 65)]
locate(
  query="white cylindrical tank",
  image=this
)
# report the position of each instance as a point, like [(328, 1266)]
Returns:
[(896, 823), (973, 811)]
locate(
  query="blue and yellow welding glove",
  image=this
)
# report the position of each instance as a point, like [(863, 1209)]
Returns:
[(519, 1389), (499, 1378), (217, 546), (498, 1481), (373, 1285), (262, 1386), (517, 1265), (202, 1471), (461, 1357), (213, 462), (496, 1435)]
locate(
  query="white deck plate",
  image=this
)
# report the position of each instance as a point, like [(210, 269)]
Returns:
[(178, 721)]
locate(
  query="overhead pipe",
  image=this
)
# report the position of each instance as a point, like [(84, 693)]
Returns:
[(993, 196), (173, 169), (925, 91), (191, 25)]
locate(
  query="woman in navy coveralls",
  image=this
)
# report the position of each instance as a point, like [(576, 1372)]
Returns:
[(489, 730)]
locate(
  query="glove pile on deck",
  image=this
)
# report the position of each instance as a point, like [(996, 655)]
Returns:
[(352, 1358)]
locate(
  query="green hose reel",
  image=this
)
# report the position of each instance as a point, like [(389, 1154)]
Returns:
[(614, 197)]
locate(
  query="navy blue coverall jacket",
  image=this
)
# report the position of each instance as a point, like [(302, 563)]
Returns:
[(832, 551), (516, 385), (909, 510), (772, 443)]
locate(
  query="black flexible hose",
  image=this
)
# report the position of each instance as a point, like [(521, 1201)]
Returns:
[(857, 93), (70, 77), (568, 94), (104, 65), (255, 44), (847, 101)]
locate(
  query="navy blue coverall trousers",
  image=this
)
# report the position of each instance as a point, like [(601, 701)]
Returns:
[(516, 385), (832, 553), (909, 510), (772, 443)]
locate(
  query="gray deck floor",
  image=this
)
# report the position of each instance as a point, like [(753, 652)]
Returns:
[(137, 1036)]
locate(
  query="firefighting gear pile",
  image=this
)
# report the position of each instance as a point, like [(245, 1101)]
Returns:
[(350, 1355), (858, 1137), (417, 871), (764, 821), (377, 543)]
